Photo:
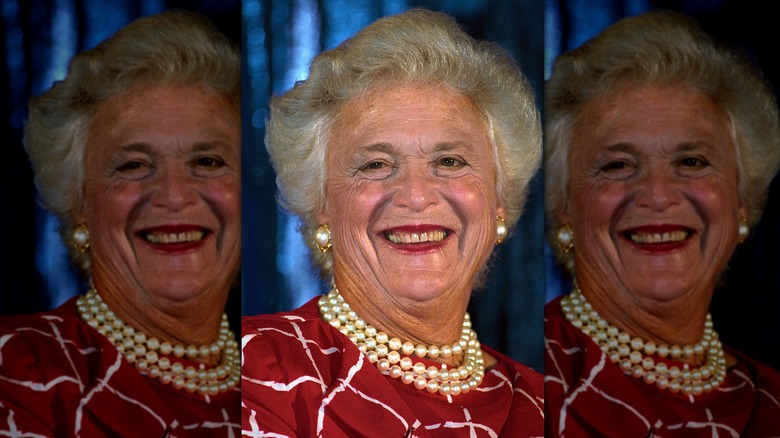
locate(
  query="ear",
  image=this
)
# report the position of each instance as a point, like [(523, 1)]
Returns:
[(742, 211), (500, 211), (80, 213), (321, 214), (563, 215)]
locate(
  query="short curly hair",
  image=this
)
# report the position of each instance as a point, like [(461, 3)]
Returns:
[(171, 47), (661, 47), (417, 46)]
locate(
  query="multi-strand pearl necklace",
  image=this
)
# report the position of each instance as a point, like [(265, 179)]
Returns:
[(636, 356), (393, 356), (153, 358)]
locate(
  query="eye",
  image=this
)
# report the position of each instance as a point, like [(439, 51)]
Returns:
[(132, 165), (374, 165), (618, 169), (374, 169), (693, 162), (615, 166), (209, 162), (451, 162), (133, 169)]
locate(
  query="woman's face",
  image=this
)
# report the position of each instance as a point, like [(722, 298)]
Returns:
[(411, 191), (162, 193), (653, 192)]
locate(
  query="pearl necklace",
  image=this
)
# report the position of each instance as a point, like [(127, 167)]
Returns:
[(392, 356), (152, 357), (635, 356)]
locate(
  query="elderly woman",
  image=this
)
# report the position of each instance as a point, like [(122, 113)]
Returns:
[(661, 146), (407, 154), (137, 151)]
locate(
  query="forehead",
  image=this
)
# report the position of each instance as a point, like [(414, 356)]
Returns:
[(160, 115), (420, 114), (651, 116)]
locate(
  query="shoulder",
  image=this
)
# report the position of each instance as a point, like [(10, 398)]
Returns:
[(289, 360), (765, 378), (525, 378), (42, 338), (46, 359), (564, 344), (288, 342), (292, 331)]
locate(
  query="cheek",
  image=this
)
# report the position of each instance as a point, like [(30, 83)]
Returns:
[(716, 199), (595, 204), (471, 198), (224, 197), (354, 204), (112, 204)]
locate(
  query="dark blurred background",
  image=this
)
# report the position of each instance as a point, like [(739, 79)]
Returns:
[(746, 308), (280, 39)]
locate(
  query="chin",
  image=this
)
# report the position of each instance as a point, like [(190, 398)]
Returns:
[(419, 287), (665, 290), (179, 290)]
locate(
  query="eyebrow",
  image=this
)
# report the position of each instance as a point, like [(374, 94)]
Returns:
[(438, 147), (693, 145), (453, 145), (378, 147), (621, 147), (209, 145), (136, 147), (679, 147), (197, 147)]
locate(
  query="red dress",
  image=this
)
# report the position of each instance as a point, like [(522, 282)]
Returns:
[(587, 395), (60, 377), (302, 377)]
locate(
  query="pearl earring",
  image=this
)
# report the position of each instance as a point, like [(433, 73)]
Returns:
[(743, 230), (80, 238), (501, 230), (565, 238), (322, 238)]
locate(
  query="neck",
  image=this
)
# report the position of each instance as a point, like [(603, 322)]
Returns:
[(434, 322), (191, 322), (678, 321)]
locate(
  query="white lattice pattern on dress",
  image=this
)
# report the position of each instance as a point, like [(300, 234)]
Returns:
[(318, 365), (584, 389), (55, 360)]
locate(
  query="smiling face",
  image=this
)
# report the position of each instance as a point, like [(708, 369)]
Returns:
[(653, 194), (162, 195), (410, 194)]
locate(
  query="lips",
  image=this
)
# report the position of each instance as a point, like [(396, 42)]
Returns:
[(658, 237), (174, 238), (417, 238)]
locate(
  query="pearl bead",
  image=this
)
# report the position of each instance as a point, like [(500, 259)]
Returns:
[(150, 356), (392, 356), (635, 356)]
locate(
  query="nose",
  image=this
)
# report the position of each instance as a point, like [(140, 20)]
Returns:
[(658, 189), (173, 189), (416, 189)]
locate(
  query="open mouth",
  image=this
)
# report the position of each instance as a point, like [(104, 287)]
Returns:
[(410, 238), (415, 239), (171, 238), (174, 237), (657, 238)]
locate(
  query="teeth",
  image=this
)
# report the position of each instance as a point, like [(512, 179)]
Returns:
[(188, 236), (430, 236), (673, 236)]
